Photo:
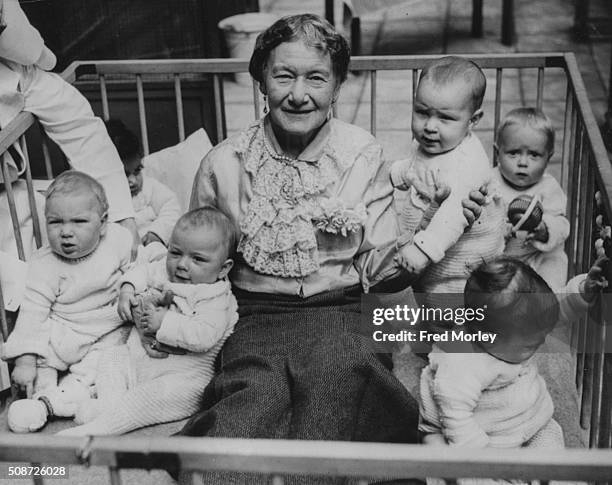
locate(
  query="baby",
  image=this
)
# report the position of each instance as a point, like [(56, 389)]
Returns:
[(69, 308), (494, 396), (156, 206), (135, 390), (524, 145), (445, 152)]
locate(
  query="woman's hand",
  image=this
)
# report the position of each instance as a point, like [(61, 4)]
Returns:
[(472, 207), (24, 374), (127, 301)]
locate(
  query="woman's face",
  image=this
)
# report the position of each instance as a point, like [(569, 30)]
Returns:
[(301, 87)]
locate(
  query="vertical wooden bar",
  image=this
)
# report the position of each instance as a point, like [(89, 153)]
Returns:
[(31, 199), (568, 137), (142, 117), (498, 100), (373, 102), (46, 154), (219, 118), (3, 319), (540, 97), (104, 98), (10, 196), (596, 432), (606, 424), (415, 82), (179, 107)]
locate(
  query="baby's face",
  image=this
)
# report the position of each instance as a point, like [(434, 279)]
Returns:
[(522, 154), (133, 172), (74, 224), (196, 256), (442, 115)]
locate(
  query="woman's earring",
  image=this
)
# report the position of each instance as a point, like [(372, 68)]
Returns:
[(265, 108)]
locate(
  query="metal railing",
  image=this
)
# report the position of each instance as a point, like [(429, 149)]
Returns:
[(585, 175)]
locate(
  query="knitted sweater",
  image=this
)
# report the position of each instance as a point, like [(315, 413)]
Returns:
[(452, 251), (157, 209), (547, 258), (476, 400), (68, 305)]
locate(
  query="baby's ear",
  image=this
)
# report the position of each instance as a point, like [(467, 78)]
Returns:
[(225, 268), (104, 221), (476, 116)]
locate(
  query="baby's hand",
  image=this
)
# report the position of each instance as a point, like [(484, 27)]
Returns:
[(24, 374), (595, 280), (540, 233), (152, 318), (412, 259), (150, 237), (127, 300)]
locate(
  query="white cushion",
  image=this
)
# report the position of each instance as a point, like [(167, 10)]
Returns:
[(177, 165)]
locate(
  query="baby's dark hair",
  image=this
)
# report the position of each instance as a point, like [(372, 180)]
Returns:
[(72, 182), (450, 69), (209, 217), (516, 298), (127, 143)]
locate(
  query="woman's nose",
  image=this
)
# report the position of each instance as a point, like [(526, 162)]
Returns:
[(298, 95)]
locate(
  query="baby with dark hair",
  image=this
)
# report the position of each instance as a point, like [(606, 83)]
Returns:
[(156, 207), (69, 307), (189, 313), (495, 396)]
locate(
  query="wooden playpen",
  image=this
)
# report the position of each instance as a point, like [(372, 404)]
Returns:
[(585, 174)]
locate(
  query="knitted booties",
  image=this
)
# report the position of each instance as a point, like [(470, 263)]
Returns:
[(27, 415)]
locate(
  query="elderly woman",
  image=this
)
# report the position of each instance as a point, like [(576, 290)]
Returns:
[(311, 198)]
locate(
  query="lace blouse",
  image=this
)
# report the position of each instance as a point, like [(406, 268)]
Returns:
[(310, 224)]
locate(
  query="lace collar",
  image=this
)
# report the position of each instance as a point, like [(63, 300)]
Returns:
[(277, 232)]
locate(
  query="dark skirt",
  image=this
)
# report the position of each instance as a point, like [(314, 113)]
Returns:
[(299, 368)]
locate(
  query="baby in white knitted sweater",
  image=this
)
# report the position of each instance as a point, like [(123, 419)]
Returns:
[(189, 324), (524, 145), (494, 396), (445, 152), (68, 313)]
